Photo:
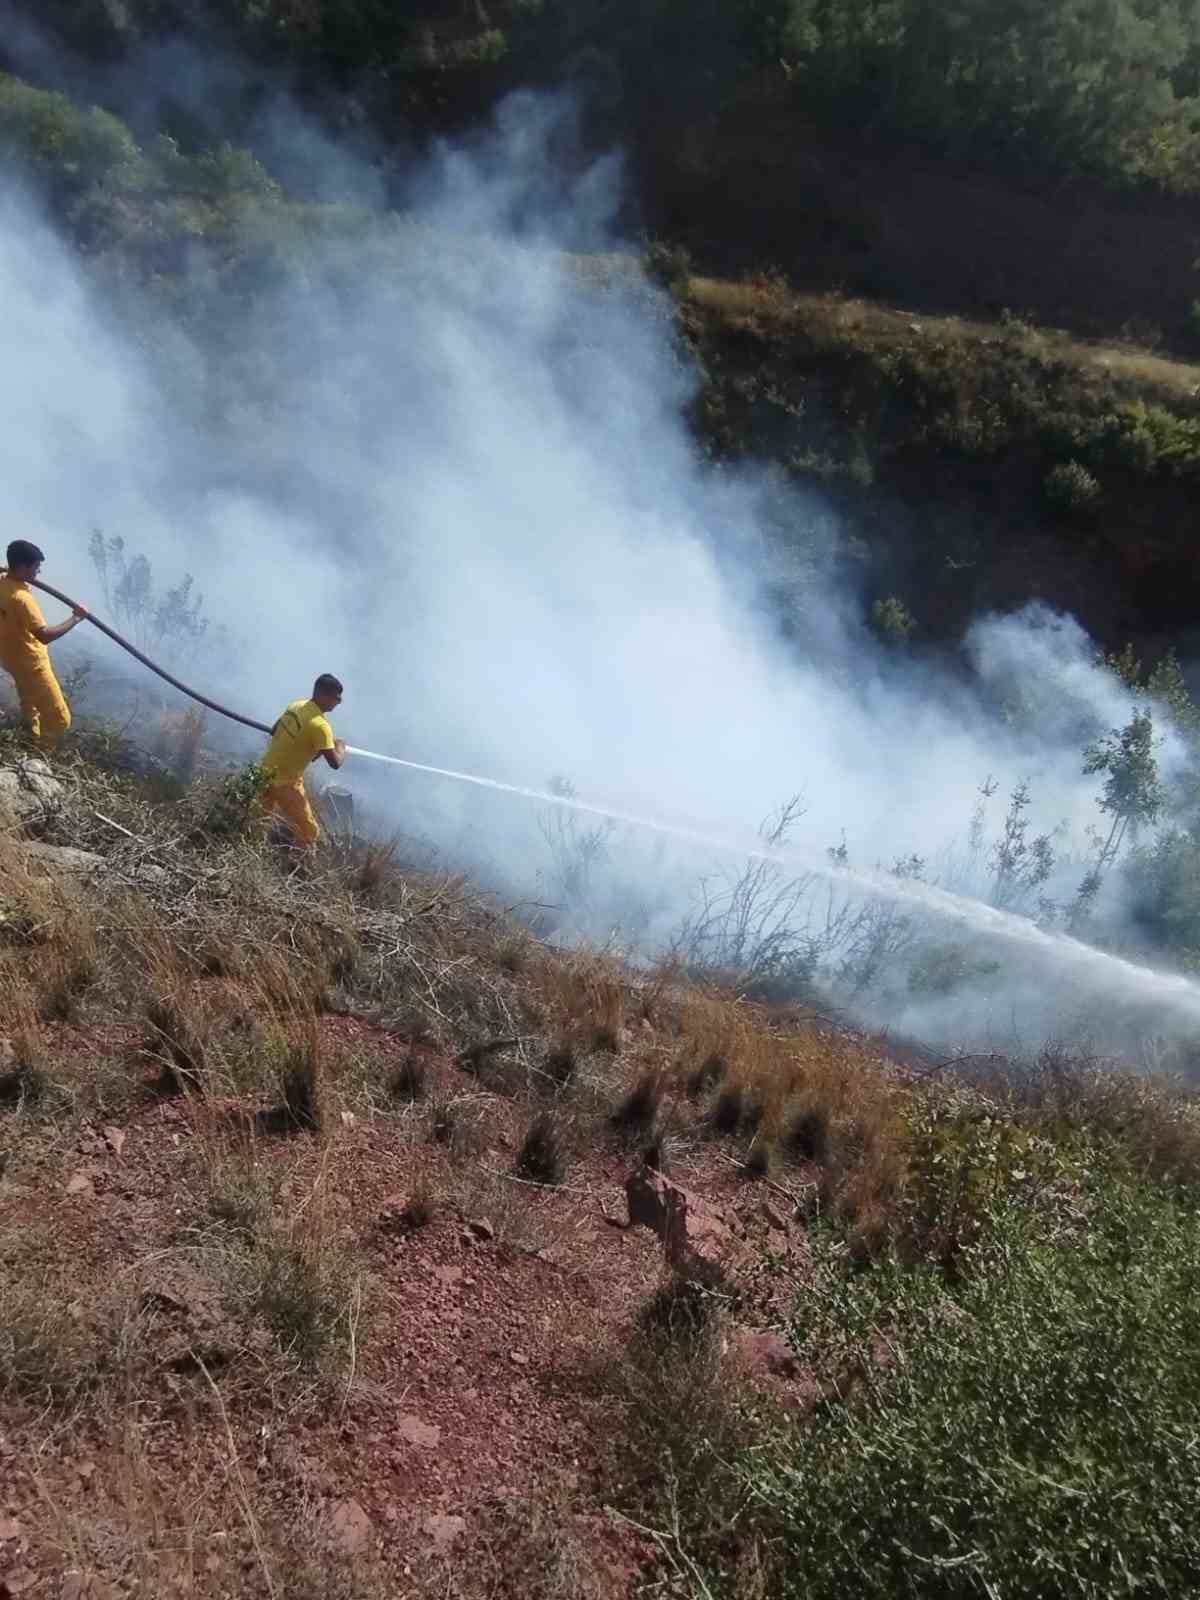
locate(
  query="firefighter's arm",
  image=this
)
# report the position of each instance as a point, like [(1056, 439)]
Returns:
[(45, 635), (337, 755)]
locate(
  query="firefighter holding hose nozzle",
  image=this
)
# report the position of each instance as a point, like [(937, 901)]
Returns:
[(302, 734), (24, 637)]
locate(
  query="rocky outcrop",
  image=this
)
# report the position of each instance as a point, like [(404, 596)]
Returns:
[(696, 1242), (29, 791), (54, 858)]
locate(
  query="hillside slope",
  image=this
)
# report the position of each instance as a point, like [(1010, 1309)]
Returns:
[(975, 463), (979, 465), (328, 1255)]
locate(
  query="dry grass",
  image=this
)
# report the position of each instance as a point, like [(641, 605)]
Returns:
[(270, 1231), (23, 1056), (179, 1026), (64, 1341), (302, 1081), (48, 935), (532, 1550), (410, 1080), (204, 1531), (681, 1418), (837, 320), (519, 1213), (175, 741), (771, 1082), (586, 996)]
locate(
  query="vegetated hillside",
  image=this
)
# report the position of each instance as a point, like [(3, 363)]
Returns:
[(977, 463), (958, 158), (764, 183), (317, 1276)]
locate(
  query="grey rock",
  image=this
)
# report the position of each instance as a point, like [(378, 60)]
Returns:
[(61, 858), (29, 790)]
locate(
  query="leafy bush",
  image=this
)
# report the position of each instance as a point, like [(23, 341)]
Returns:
[(1152, 1123), (168, 622), (1152, 438), (1071, 489), (1163, 879), (892, 621), (232, 809), (1032, 1433), (117, 195)]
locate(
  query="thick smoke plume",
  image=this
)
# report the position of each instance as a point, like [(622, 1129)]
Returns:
[(446, 458)]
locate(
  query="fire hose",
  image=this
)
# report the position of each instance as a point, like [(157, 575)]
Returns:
[(568, 801), (544, 796), (111, 633)]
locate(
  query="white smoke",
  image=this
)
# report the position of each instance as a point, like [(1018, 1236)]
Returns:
[(449, 463)]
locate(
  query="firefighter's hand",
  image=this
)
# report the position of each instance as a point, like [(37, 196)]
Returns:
[(80, 613), (339, 746)]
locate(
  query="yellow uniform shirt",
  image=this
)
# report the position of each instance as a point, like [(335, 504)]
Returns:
[(301, 734), (20, 614)]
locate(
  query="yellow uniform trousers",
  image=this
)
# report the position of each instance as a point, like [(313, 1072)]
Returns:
[(43, 709), (290, 801)]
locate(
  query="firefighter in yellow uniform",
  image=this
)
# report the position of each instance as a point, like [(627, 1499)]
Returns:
[(301, 735), (23, 653)]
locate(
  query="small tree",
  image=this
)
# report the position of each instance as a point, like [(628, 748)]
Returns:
[(576, 849), (1020, 864), (170, 622), (1165, 686), (1133, 797)]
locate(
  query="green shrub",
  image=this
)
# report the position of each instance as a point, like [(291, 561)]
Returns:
[(234, 808), (1163, 880), (893, 622), (1032, 1434), (1070, 489), (1151, 438), (72, 147)]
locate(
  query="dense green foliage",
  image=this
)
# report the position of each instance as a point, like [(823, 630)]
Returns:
[(1026, 1426), (114, 192), (1106, 86)]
